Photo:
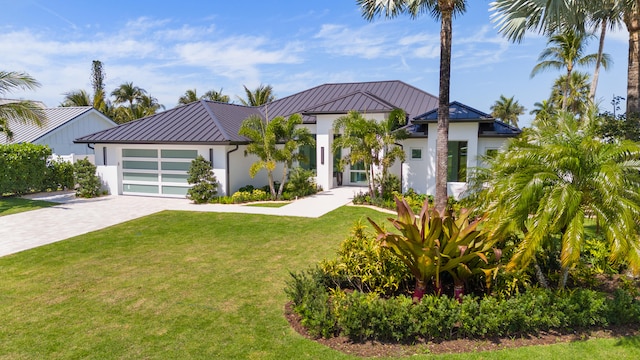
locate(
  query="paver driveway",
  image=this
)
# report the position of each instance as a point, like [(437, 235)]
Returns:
[(74, 217)]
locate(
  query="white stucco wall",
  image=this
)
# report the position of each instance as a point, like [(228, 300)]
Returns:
[(239, 170), (61, 139), (415, 171)]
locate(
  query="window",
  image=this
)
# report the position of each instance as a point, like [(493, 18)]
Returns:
[(416, 153), (309, 152), (457, 171)]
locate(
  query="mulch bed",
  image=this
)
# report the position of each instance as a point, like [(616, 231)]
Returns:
[(379, 349)]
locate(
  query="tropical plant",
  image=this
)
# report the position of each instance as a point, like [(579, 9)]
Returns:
[(432, 244), (273, 141), (213, 95), (507, 109), (515, 17), (22, 111), (444, 10), (263, 94), (127, 92), (371, 143), (575, 96), (205, 184), (565, 50), (543, 109), (551, 179)]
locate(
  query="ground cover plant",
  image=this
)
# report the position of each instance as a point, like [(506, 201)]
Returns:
[(191, 285), (14, 205)]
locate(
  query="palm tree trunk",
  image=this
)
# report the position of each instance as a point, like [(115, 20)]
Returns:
[(285, 171), (442, 140), (596, 72), (540, 275), (632, 20), (271, 186), (564, 276), (567, 87)]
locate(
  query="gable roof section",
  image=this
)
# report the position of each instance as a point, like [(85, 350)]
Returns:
[(54, 119), (359, 101), (458, 112), (204, 122), (395, 93)]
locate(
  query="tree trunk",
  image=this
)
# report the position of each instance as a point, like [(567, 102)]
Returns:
[(540, 275), (442, 141), (271, 186), (285, 170), (567, 89), (564, 276), (632, 20), (596, 72)]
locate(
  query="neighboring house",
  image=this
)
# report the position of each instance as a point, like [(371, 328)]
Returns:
[(62, 125), (151, 156)]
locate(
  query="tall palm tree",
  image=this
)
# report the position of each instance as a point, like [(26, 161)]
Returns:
[(263, 138), (566, 51), (76, 98), (444, 10), (608, 16), (552, 178), (507, 109), (515, 17), (22, 111), (575, 96), (263, 94), (291, 136), (127, 92)]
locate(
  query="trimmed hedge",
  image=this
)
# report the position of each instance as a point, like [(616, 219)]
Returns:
[(366, 316), (24, 168)]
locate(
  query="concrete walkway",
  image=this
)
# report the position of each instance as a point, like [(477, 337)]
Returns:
[(73, 217)]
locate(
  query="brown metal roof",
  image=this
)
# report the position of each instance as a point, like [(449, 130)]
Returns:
[(218, 123), (396, 93)]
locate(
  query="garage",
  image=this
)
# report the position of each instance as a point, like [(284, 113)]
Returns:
[(156, 171)]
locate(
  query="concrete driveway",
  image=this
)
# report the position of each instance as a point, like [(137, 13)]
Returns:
[(73, 217)]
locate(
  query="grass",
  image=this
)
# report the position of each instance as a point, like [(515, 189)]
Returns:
[(14, 205), (269, 204), (189, 286)]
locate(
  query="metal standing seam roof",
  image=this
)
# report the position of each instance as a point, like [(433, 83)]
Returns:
[(457, 112), (203, 121), (54, 119), (213, 122)]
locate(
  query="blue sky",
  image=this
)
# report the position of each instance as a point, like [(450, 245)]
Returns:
[(170, 46)]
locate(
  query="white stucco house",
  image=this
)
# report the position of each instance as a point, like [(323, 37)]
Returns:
[(151, 156), (61, 126)]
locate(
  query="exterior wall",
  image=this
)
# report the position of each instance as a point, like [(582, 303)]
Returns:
[(415, 172), (485, 144), (61, 140), (468, 132), (239, 170)]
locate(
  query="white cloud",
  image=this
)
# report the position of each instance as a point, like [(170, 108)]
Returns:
[(362, 42)]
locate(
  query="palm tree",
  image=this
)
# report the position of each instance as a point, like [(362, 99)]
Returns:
[(263, 136), (22, 111), (552, 178), (515, 17), (127, 92), (192, 96), (359, 135), (263, 94), (543, 109), (608, 16), (508, 110), (76, 98), (444, 10), (291, 137), (575, 96), (565, 51)]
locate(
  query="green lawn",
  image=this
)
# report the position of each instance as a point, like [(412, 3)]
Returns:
[(180, 285), (14, 205), (269, 204)]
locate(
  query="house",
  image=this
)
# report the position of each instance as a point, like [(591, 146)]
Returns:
[(61, 126), (151, 156)]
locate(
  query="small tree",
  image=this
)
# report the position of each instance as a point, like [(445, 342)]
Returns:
[(205, 184), (87, 182)]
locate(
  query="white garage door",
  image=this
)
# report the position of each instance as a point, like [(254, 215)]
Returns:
[(156, 171)]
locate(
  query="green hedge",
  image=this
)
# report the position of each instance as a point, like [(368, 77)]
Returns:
[(24, 168), (366, 316)]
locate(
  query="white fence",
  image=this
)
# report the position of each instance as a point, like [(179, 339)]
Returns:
[(72, 158)]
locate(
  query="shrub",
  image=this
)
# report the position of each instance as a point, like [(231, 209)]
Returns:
[(301, 183), (308, 293), (364, 265), (88, 183), (23, 167), (59, 175), (205, 184)]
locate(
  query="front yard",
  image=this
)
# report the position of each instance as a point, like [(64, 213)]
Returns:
[(180, 285), (14, 205)]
